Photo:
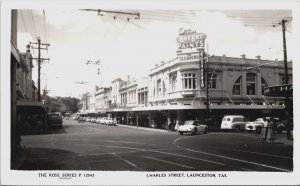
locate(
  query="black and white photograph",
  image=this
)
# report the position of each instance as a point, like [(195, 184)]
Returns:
[(149, 93)]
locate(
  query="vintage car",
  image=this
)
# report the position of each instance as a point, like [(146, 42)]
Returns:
[(234, 122), (255, 126), (110, 121), (55, 120), (192, 127)]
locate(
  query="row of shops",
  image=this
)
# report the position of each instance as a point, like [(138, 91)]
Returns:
[(203, 87)]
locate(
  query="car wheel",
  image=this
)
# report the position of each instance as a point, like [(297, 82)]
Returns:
[(205, 131), (195, 131), (181, 133), (237, 129)]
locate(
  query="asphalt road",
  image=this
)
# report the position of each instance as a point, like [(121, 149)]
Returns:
[(90, 146)]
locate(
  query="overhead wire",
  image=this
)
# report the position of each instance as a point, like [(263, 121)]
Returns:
[(23, 20), (44, 13), (33, 24), (109, 27), (133, 23), (121, 29)]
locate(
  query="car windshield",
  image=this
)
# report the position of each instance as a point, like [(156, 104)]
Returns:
[(189, 122), (238, 119)]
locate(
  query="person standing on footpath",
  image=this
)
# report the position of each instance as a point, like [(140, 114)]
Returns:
[(264, 130), (177, 125), (270, 133)]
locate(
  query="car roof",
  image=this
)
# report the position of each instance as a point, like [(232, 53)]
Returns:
[(234, 116)]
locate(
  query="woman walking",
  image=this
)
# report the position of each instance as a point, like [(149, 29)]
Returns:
[(264, 130), (270, 133), (177, 125)]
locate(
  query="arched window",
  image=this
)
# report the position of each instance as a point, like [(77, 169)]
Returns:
[(250, 83), (263, 85), (237, 86)]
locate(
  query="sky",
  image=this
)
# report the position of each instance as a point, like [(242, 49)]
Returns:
[(134, 47)]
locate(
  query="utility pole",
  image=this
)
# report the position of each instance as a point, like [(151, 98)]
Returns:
[(99, 63), (207, 86), (286, 81), (39, 60)]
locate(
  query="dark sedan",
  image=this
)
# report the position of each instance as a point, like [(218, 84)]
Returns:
[(55, 120)]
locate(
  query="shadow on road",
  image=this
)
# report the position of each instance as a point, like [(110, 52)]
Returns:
[(44, 159)]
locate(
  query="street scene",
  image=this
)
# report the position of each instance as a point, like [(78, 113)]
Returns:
[(150, 90), (99, 147)]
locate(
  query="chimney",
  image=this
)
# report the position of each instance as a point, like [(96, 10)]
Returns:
[(258, 57), (243, 56)]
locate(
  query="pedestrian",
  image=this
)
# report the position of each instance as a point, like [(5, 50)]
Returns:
[(264, 130), (177, 125), (169, 125), (270, 133)]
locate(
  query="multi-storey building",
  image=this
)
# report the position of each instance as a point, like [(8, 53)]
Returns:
[(103, 99), (195, 86), (235, 85), (115, 93), (24, 76)]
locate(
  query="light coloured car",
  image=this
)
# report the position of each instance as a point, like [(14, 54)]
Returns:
[(93, 120), (98, 120), (110, 121), (103, 121), (255, 126), (192, 127), (234, 122), (88, 119)]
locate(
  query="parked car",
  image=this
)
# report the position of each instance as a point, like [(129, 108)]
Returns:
[(93, 120), (192, 127), (110, 121), (81, 119), (67, 114), (88, 119), (233, 122), (255, 126), (55, 120), (103, 121), (98, 120), (282, 125)]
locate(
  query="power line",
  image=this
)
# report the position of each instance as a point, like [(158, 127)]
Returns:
[(132, 23), (44, 13), (21, 13), (109, 27), (122, 29), (33, 24)]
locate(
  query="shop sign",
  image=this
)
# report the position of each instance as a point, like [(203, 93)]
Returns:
[(187, 57), (190, 39)]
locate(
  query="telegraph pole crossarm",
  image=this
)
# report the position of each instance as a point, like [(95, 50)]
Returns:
[(39, 60)]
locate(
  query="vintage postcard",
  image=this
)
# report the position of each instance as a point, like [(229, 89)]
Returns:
[(149, 92)]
